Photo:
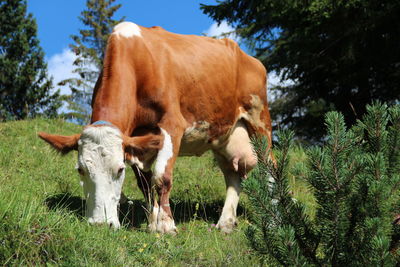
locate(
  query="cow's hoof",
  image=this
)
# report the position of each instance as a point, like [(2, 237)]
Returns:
[(152, 227), (165, 224), (167, 229), (226, 226)]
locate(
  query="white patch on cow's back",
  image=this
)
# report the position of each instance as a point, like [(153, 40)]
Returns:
[(127, 29), (163, 155)]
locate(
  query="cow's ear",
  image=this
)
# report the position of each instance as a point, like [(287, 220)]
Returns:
[(142, 143), (62, 144)]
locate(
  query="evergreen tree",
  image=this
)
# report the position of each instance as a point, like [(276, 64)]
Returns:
[(25, 89), (89, 48), (340, 55), (355, 179)]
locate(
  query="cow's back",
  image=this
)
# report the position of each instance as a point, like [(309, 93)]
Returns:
[(206, 84), (212, 82)]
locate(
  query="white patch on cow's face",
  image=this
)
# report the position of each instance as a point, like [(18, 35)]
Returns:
[(163, 155), (127, 29), (102, 168)]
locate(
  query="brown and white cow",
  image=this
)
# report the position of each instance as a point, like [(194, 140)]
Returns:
[(161, 95)]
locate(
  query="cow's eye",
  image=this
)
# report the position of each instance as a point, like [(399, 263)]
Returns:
[(121, 170)]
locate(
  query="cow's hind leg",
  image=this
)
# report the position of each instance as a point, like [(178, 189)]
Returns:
[(235, 160), (228, 221)]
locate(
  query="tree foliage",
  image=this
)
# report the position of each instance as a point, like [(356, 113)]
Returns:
[(339, 55), (25, 89), (355, 179), (89, 47)]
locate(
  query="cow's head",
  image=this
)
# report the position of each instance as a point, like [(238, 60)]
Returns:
[(102, 152)]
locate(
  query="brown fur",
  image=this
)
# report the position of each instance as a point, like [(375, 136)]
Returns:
[(62, 144), (190, 78)]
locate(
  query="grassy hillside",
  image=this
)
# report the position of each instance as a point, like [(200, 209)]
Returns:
[(41, 211)]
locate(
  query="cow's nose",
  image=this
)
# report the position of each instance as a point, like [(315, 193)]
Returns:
[(114, 225), (111, 223)]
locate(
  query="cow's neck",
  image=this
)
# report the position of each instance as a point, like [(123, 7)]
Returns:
[(115, 97), (110, 108), (111, 100)]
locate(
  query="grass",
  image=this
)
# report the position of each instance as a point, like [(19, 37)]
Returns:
[(41, 202)]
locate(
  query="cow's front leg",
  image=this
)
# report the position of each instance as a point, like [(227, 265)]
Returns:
[(165, 220), (163, 179)]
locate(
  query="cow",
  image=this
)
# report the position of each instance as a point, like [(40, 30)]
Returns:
[(161, 95)]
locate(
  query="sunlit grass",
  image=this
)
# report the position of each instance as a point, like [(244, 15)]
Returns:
[(41, 211)]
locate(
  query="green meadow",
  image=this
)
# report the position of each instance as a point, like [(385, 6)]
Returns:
[(42, 222)]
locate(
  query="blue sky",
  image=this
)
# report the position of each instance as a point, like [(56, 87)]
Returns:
[(58, 19)]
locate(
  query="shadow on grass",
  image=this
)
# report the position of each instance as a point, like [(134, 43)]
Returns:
[(133, 213), (67, 201)]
